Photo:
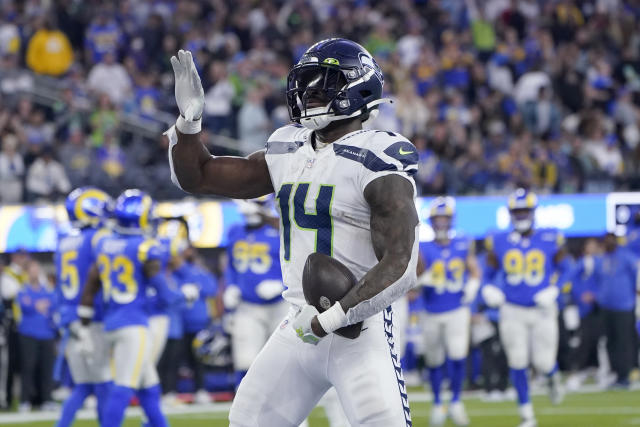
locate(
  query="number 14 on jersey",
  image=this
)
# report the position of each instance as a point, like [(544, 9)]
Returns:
[(320, 222)]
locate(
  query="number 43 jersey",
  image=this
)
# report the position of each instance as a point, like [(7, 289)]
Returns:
[(320, 195), (525, 264), (447, 264)]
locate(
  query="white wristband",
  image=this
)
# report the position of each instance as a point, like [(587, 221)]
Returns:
[(85, 312), (188, 127), (332, 319)]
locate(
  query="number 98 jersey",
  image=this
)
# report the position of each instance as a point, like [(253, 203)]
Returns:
[(120, 260), (525, 264), (447, 265), (320, 196)]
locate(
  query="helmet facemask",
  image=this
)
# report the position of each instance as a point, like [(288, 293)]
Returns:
[(441, 225), (313, 91), (522, 219)]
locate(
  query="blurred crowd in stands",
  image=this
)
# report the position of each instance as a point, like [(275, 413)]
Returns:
[(494, 93)]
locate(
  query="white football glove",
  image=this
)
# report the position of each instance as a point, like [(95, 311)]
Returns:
[(190, 291), (547, 297), (231, 297), (470, 290), (492, 295), (269, 289), (302, 324), (82, 334), (189, 92)]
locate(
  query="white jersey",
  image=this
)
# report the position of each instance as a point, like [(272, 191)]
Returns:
[(321, 200)]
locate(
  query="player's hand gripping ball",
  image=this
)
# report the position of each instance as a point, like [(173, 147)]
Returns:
[(325, 280)]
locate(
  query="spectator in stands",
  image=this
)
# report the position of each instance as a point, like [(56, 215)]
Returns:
[(76, 156), (616, 276), (110, 78), (103, 37), (35, 305), (11, 171), (105, 119), (49, 50), (46, 178), (254, 125), (14, 82), (218, 98)]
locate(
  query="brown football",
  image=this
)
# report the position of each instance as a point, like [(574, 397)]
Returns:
[(326, 280)]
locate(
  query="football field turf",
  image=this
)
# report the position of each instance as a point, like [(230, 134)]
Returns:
[(602, 409)]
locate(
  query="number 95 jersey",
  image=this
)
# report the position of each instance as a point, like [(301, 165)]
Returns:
[(525, 264), (320, 196)]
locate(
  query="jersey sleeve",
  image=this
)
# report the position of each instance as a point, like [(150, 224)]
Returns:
[(97, 237), (387, 153), (282, 143)]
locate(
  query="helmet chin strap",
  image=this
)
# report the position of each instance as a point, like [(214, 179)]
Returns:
[(320, 117)]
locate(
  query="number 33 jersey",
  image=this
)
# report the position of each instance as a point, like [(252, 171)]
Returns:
[(526, 264), (320, 195)]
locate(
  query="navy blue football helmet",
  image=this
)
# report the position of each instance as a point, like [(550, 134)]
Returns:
[(335, 79)]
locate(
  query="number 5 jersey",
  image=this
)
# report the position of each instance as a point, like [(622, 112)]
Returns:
[(320, 194)]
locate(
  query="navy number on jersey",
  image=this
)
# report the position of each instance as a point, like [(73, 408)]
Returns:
[(320, 221)]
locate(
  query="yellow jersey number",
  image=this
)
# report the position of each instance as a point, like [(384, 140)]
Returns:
[(125, 288), (251, 256), (456, 268), (70, 280), (527, 267)]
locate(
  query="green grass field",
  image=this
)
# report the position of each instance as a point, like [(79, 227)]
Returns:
[(606, 409)]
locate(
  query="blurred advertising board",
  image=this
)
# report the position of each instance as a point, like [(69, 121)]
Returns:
[(35, 228)]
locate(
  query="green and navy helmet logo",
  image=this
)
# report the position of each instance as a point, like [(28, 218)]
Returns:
[(331, 61)]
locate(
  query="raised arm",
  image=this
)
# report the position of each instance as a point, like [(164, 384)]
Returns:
[(394, 235), (193, 168)]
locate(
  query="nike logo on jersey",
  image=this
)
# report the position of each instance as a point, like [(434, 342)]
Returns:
[(404, 153)]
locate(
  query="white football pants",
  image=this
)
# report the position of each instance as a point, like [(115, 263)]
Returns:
[(253, 324), (289, 377), (94, 369), (446, 334), (131, 356), (529, 335)]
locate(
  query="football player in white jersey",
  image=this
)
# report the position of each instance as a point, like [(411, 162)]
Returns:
[(342, 191)]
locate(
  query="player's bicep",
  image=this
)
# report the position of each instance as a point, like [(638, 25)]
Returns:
[(393, 216), (237, 177)]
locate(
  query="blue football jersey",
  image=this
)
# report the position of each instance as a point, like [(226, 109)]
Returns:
[(73, 259), (448, 267), (525, 264), (633, 242), (156, 306), (120, 259), (254, 256)]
